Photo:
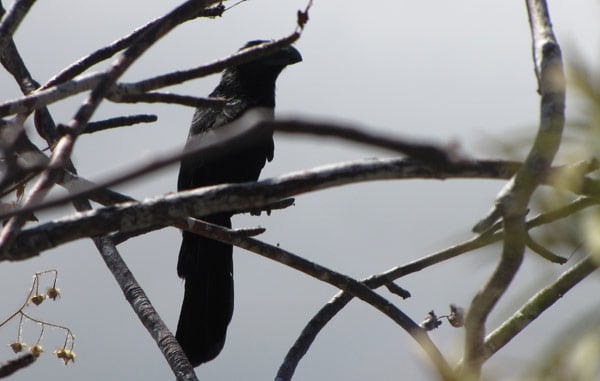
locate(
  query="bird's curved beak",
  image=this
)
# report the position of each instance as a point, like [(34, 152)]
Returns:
[(283, 57)]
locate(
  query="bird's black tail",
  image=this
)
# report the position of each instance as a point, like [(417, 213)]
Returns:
[(207, 307)]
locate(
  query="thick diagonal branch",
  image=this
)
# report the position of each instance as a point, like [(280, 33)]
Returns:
[(166, 210)]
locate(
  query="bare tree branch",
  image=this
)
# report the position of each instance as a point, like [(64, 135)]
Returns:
[(341, 299), (385, 277), (139, 302), (343, 282), (181, 76), (120, 237), (125, 217), (251, 126), (512, 203), (60, 90), (428, 152), (543, 252), (141, 305), (21, 161), (310, 180), (64, 146), (549, 70), (535, 306), (45, 97), (13, 63), (120, 121), (14, 365), (305, 181), (170, 208), (11, 20), (106, 52), (184, 100)]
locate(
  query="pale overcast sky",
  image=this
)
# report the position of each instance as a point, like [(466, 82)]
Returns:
[(457, 71)]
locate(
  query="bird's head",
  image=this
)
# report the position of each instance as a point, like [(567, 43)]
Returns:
[(256, 79), (282, 57)]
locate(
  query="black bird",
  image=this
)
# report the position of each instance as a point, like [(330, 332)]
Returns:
[(206, 265)]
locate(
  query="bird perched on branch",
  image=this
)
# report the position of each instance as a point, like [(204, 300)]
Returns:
[(206, 265)]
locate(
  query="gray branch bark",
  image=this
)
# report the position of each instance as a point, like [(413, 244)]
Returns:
[(512, 203)]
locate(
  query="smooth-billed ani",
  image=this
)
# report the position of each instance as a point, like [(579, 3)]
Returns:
[(206, 265)]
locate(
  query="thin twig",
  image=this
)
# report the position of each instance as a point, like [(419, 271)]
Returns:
[(535, 306), (120, 237), (106, 52), (13, 63), (155, 97), (239, 132), (20, 163), (343, 282), (249, 127), (165, 340), (64, 147), (45, 97), (543, 252), (60, 90), (339, 301), (120, 121), (428, 152), (181, 76)]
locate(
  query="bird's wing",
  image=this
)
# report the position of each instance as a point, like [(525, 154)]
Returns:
[(195, 172)]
